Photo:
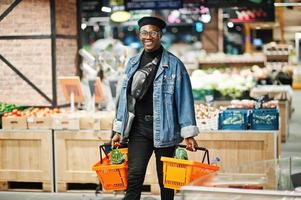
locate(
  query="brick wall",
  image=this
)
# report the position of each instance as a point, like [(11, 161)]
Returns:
[(30, 17), (65, 12), (66, 50), (32, 57)]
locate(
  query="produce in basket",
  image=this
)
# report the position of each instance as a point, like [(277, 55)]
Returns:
[(117, 157), (181, 153)]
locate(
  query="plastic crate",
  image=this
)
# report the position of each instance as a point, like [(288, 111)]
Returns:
[(234, 119), (177, 173), (111, 177), (265, 119)]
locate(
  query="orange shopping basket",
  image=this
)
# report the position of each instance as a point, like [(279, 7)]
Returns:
[(111, 176), (177, 173)]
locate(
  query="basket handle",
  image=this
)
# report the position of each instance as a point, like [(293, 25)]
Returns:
[(206, 154), (102, 149)]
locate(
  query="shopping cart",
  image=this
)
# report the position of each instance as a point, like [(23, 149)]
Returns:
[(111, 176), (177, 173)]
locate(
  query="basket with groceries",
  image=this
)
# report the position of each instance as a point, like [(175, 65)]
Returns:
[(180, 171), (112, 168)]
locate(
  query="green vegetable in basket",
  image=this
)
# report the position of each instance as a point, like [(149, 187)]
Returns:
[(181, 153), (117, 157)]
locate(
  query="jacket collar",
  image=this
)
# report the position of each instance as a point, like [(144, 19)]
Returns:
[(163, 63), (164, 58)]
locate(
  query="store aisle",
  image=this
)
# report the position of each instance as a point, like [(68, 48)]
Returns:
[(68, 196), (292, 147)]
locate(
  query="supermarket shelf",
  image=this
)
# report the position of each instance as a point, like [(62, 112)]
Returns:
[(231, 64)]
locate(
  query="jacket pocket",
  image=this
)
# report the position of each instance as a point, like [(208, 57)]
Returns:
[(168, 88)]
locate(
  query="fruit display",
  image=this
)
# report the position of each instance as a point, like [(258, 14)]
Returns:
[(244, 103), (270, 104), (206, 116), (32, 112), (250, 104), (55, 118)]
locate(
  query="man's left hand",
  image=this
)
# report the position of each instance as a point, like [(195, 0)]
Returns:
[(191, 144)]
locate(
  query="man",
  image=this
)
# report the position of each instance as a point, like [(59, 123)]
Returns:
[(164, 115)]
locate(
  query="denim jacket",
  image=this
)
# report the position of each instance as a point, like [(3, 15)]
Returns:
[(173, 115)]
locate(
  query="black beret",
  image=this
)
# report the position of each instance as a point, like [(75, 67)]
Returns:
[(152, 21)]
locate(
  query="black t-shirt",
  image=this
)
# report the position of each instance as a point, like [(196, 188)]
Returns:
[(145, 105)]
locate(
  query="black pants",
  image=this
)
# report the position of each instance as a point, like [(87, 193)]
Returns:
[(140, 150)]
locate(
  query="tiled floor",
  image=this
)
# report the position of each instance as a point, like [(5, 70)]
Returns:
[(291, 148), (68, 196)]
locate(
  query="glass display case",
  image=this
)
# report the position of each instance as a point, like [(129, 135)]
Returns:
[(272, 179)]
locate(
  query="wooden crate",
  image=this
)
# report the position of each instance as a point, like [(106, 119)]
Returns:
[(87, 123), (65, 122), (233, 147), (284, 120), (25, 156), (76, 153), (41, 123), (238, 147), (105, 119), (11, 123), (283, 107)]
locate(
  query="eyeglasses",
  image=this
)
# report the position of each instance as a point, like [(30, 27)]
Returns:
[(153, 34)]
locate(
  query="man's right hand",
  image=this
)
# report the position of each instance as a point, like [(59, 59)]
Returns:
[(116, 140)]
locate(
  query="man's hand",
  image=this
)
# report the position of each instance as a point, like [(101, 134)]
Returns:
[(191, 144), (116, 140)]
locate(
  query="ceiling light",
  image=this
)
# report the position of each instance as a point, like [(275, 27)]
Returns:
[(230, 24), (120, 16), (106, 9), (84, 26)]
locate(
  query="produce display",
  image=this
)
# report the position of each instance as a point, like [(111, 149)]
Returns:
[(206, 116), (4, 107), (230, 84), (7, 107), (32, 112), (10, 109), (250, 104), (57, 119)]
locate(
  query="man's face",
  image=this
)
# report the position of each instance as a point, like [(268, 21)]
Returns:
[(150, 36)]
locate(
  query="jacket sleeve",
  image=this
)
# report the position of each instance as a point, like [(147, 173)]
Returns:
[(185, 103), (119, 120)]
